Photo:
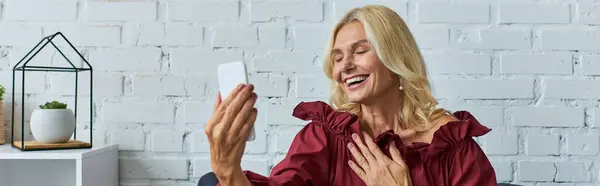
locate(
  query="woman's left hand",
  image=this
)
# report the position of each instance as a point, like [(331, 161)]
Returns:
[(374, 167)]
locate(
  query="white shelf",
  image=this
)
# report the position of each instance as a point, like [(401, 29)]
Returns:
[(8, 152), (98, 166)]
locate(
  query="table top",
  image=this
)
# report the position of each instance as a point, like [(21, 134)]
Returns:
[(9, 152)]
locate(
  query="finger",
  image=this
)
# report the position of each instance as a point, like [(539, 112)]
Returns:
[(233, 106), (217, 101), (242, 117), (365, 150), (233, 94), (360, 159), (395, 153), (374, 149), (247, 128), (359, 171)]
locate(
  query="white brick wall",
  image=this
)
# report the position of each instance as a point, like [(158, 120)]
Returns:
[(533, 78)]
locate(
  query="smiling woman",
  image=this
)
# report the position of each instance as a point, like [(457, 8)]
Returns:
[(383, 128)]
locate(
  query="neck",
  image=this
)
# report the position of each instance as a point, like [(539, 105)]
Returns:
[(381, 114)]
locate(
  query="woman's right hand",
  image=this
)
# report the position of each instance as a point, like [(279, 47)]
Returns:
[(228, 128)]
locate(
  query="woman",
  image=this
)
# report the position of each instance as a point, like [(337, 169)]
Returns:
[(380, 89)]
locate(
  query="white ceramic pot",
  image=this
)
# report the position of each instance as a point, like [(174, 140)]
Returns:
[(52, 125)]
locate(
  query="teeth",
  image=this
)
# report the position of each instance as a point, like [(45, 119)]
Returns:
[(355, 79)]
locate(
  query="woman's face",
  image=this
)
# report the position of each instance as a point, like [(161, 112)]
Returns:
[(357, 69)]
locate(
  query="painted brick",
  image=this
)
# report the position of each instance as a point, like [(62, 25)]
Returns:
[(569, 39), (311, 36), (487, 38), (433, 12), (235, 36), (180, 34), (197, 112), (269, 86), (583, 145), (311, 86), (285, 62), (158, 85), (458, 64), (131, 59), (166, 141), (200, 142), (285, 138), (572, 88), (503, 170), (22, 10), (122, 11), (590, 65), (282, 115), (199, 61), (501, 143), (162, 168), (549, 63), (484, 88), (64, 84), (572, 172), (545, 13), (536, 171), (295, 10), (201, 167), (89, 35), (547, 116), (204, 11), (17, 34), (272, 36), (147, 34), (129, 139), (139, 112), (31, 87), (542, 145), (431, 37), (589, 13), (340, 7)]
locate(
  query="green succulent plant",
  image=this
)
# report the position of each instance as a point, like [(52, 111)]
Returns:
[(2, 92), (53, 105)]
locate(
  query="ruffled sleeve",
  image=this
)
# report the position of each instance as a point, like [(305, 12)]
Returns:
[(308, 159), (455, 132), (336, 121), (468, 164)]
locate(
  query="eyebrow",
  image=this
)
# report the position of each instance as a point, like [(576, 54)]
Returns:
[(337, 50)]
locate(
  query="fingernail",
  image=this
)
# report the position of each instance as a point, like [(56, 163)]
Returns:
[(350, 145), (240, 86), (393, 144), (354, 136)]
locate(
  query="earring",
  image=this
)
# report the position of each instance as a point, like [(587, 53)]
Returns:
[(400, 88)]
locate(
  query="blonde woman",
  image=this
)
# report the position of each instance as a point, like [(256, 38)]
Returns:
[(383, 127)]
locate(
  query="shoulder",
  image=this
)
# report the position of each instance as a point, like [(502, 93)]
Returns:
[(456, 134), (325, 116)]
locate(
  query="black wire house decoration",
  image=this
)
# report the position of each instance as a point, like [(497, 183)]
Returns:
[(22, 66)]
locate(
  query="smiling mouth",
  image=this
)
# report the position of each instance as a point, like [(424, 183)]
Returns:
[(356, 80)]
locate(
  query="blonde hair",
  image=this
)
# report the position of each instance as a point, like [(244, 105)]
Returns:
[(398, 51)]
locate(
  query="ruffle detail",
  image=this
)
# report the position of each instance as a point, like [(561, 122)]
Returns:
[(323, 113), (455, 132), (446, 137)]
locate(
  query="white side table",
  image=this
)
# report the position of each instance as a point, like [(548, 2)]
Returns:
[(80, 167)]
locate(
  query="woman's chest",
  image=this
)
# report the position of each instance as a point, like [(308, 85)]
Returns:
[(422, 173)]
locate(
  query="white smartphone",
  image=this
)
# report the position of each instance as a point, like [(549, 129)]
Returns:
[(230, 76)]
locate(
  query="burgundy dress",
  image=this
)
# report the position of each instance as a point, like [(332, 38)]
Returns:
[(319, 155)]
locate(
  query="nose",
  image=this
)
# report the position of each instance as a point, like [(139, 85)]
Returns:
[(348, 63)]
